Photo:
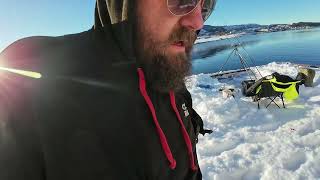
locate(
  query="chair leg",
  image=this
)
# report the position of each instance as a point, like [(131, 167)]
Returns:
[(281, 96), (272, 100)]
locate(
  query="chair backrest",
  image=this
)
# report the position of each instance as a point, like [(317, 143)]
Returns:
[(266, 90), (273, 85), (289, 89)]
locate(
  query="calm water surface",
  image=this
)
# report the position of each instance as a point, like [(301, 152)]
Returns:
[(302, 46)]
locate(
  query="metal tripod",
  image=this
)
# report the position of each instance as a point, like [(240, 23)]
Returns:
[(243, 63)]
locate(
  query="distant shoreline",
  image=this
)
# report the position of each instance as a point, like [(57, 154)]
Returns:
[(213, 37), (217, 37)]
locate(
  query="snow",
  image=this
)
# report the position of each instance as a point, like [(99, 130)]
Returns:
[(217, 37), (251, 143)]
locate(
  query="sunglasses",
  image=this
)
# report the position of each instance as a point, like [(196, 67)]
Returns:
[(184, 7)]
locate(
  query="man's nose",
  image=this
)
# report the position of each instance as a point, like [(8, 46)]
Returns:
[(193, 20)]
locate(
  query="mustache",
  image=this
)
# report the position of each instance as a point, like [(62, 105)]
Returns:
[(183, 34)]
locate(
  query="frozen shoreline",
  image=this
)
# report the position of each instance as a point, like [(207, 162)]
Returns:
[(205, 39)]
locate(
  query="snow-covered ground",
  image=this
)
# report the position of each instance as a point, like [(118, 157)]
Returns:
[(217, 37), (250, 143)]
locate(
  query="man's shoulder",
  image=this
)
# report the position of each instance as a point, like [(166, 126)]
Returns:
[(40, 56), (32, 52), (24, 49)]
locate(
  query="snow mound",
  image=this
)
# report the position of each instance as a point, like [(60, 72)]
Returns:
[(251, 143)]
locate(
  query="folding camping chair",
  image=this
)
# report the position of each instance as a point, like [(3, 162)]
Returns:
[(271, 87)]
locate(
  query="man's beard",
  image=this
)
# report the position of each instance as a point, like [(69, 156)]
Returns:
[(164, 71)]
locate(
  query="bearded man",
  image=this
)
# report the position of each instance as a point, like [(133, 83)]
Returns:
[(107, 103)]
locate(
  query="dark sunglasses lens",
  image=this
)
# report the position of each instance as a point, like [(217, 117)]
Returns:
[(207, 8), (181, 7)]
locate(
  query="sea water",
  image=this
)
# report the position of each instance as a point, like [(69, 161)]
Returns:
[(297, 46)]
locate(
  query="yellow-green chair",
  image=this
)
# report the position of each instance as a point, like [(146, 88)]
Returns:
[(281, 86)]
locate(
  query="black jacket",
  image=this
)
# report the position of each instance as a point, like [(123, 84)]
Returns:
[(87, 117)]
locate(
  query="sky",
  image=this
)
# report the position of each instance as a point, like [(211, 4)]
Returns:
[(22, 18)]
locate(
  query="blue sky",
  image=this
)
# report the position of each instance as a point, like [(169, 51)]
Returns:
[(230, 12), (22, 18)]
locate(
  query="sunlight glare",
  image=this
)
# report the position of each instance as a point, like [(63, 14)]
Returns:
[(31, 74)]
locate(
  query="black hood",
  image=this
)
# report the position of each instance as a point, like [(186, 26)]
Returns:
[(117, 18)]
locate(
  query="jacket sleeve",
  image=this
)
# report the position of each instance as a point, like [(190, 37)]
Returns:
[(20, 157), (19, 148)]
